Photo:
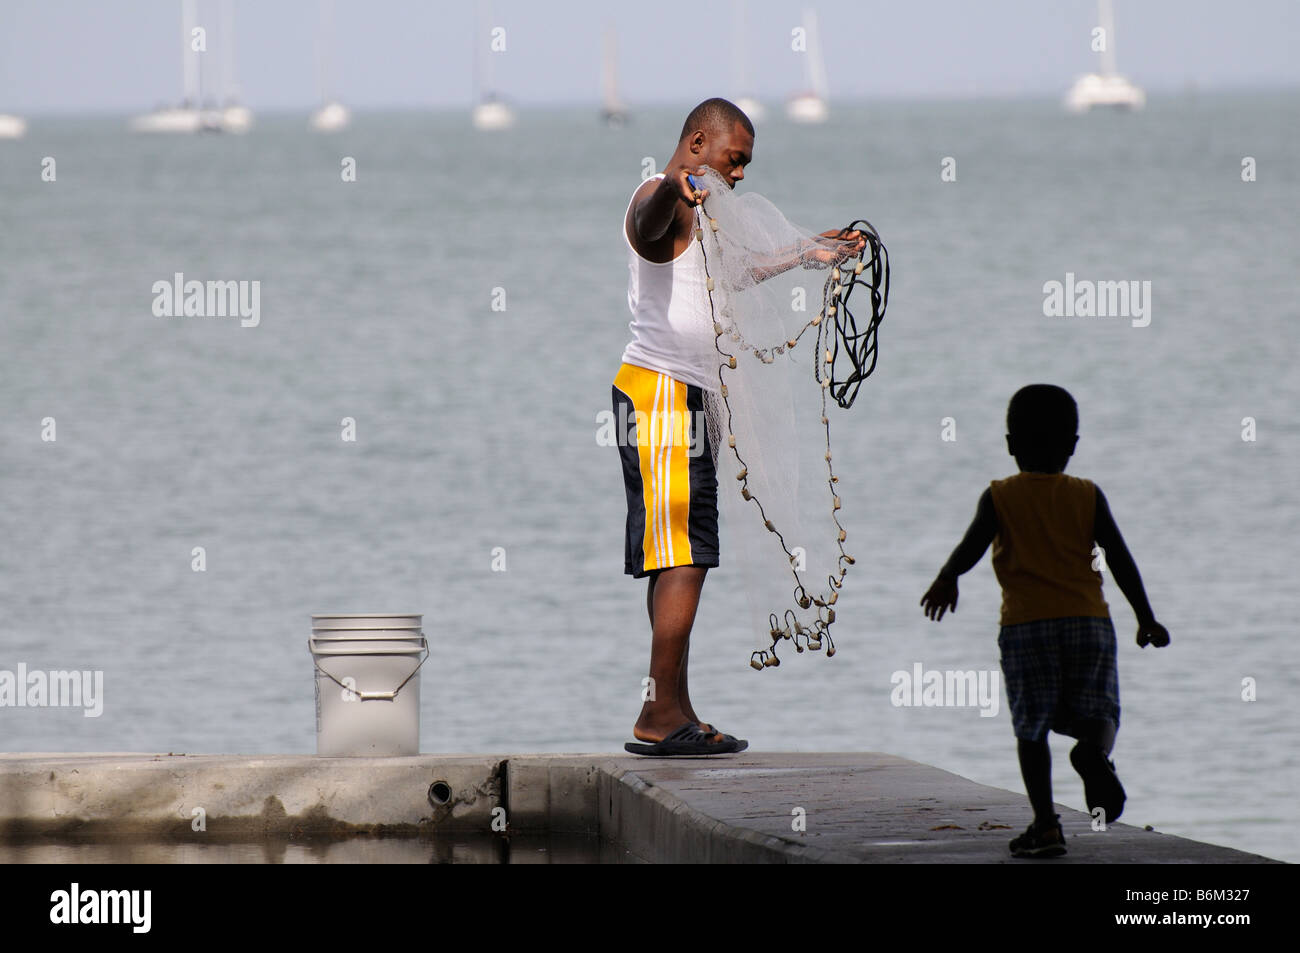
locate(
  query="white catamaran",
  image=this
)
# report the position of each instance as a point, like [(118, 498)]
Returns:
[(332, 115), (490, 111), (810, 105), (1107, 89), (749, 105), (188, 116)]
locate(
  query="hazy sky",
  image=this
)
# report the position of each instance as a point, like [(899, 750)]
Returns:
[(124, 55)]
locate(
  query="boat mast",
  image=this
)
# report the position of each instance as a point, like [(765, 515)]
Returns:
[(816, 68), (190, 59)]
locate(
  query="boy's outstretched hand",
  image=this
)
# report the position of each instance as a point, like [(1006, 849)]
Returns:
[(1154, 633), (940, 597)]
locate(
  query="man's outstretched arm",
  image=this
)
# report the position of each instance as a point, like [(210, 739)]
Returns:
[(809, 254)]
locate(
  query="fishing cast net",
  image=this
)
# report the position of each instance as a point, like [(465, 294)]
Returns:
[(790, 353)]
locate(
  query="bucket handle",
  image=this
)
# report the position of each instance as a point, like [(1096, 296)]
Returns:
[(372, 696)]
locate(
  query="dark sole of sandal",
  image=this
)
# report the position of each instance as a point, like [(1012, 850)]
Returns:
[(671, 751), (1051, 850)]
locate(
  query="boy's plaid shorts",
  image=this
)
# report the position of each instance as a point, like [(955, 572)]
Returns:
[(1057, 671)]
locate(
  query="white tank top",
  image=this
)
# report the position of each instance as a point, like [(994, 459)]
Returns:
[(672, 323)]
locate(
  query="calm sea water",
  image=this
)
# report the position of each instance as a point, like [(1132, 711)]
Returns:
[(476, 430)]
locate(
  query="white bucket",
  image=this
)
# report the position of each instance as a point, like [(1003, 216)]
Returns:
[(367, 684)]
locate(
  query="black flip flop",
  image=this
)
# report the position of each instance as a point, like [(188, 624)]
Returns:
[(686, 740), (741, 744)]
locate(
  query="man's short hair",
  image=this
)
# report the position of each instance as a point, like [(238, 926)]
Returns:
[(716, 117)]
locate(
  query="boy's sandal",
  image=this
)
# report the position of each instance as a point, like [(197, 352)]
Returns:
[(1040, 841)]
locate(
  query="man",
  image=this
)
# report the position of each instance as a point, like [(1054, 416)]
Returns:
[(672, 523)]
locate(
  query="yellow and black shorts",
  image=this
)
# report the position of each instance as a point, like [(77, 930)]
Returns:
[(668, 472)]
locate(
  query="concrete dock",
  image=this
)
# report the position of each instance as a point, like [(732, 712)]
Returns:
[(744, 808)]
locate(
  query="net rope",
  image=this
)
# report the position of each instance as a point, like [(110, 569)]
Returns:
[(845, 355)]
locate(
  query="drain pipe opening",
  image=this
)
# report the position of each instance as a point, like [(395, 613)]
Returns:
[(439, 793)]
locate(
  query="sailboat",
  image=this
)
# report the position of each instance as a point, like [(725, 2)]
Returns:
[(490, 111), (12, 127), (235, 117), (750, 106), (332, 115), (810, 105), (612, 112), (1106, 89), (187, 117)]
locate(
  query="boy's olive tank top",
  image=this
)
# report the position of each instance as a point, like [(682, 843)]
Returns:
[(1042, 553)]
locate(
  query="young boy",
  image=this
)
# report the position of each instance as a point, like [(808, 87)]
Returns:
[(1057, 640)]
